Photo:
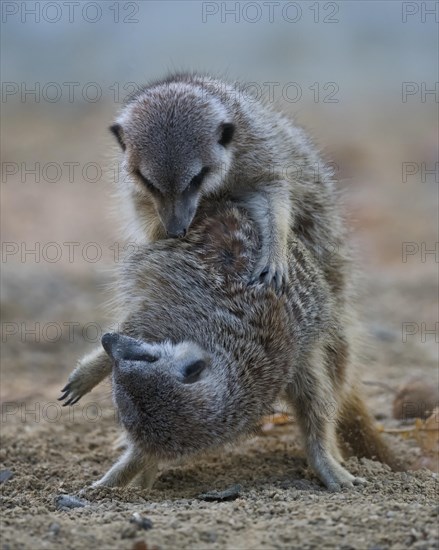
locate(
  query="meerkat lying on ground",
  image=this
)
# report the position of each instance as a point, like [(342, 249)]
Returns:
[(202, 355)]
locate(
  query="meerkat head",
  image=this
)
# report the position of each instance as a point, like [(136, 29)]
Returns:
[(174, 399), (178, 144)]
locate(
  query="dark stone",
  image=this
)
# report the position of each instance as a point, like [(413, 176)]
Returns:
[(5, 475), (219, 496), (141, 522), (63, 502)]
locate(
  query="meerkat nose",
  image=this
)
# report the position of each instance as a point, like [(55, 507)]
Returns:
[(109, 340), (177, 233)]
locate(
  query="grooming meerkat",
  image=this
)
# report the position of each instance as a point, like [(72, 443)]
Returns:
[(192, 140), (204, 355)]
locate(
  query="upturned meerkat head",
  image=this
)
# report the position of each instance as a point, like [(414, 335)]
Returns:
[(177, 143), (176, 399)]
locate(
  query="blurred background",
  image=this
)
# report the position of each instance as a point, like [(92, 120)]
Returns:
[(361, 76)]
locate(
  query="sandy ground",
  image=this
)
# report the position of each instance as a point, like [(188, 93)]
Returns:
[(52, 451)]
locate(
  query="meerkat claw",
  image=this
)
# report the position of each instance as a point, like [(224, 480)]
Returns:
[(74, 399), (271, 275), (65, 392), (360, 481), (69, 394)]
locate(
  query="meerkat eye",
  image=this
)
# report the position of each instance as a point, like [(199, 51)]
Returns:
[(191, 373), (197, 180), (148, 183), (227, 129)]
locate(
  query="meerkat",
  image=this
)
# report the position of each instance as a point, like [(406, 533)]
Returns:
[(191, 140), (202, 355)]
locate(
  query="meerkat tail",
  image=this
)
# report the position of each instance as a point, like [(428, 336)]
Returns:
[(359, 436)]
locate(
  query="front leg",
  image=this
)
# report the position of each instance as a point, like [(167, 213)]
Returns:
[(134, 462), (270, 209), (91, 370)]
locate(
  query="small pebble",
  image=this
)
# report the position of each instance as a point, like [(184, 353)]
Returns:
[(54, 528), (208, 536), (219, 496), (5, 475), (141, 521), (63, 502)]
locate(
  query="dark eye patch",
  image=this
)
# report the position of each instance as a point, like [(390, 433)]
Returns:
[(192, 372), (148, 183), (197, 180), (227, 132)]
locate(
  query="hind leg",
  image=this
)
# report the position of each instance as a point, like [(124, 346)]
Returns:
[(333, 443), (147, 476), (311, 394)]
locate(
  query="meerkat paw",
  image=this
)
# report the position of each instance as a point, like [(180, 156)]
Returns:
[(335, 486), (77, 386), (332, 473), (359, 481), (271, 272), (340, 478)]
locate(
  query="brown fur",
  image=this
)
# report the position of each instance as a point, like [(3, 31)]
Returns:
[(171, 128), (187, 301), (358, 435)]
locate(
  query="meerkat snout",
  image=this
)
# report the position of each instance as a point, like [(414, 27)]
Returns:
[(168, 396), (176, 227), (176, 233), (184, 362), (123, 348), (178, 148)]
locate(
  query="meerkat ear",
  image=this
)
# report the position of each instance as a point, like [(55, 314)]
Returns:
[(119, 346), (226, 131), (117, 130)]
